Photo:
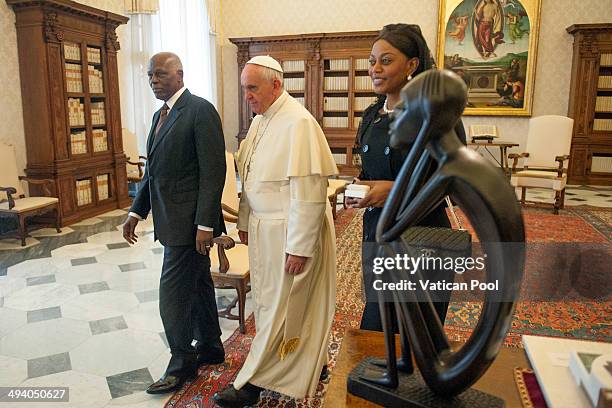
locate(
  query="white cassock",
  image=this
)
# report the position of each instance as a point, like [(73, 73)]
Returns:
[(284, 163)]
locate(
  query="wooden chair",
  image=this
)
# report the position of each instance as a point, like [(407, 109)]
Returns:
[(16, 204), (335, 187), (545, 166), (230, 259), (130, 147)]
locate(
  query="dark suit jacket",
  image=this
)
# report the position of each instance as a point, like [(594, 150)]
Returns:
[(185, 172)]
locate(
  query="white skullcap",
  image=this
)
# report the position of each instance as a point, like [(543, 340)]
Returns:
[(266, 61)]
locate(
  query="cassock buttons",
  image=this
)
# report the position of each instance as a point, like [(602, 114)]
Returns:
[(387, 150), (378, 119), (365, 148)]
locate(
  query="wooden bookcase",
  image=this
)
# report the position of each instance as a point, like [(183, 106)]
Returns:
[(70, 92), (328, 73), (591, 104)]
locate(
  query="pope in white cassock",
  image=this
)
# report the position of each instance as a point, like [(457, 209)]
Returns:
[(286, 220)]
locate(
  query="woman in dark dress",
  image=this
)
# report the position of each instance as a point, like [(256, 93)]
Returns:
[(399, 53)]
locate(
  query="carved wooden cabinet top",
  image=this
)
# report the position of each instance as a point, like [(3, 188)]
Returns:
[(575, 28), (367, 35), (71, 7)]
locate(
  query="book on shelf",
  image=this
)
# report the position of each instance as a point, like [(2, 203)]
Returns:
[(362, 102), (362, 64), (78, 142), (98, 113), (604, 81), (72, 51), (603, 104), (335, 103), (364, 83), (605, 60), (96, 84), (76, 112), (293, 66), (336, 83), (294, 84), (74, 78), (100, 140), (335, 121), (102, 182), (83, 192), (93, 55), (339, 64), (602, 125), (339, 158)]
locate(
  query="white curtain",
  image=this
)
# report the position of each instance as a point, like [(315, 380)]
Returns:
[(181, 27)]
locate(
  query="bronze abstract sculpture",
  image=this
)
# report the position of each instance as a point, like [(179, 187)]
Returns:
[(431, 107)]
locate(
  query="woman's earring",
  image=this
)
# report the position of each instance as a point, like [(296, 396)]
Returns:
[(409, 77)]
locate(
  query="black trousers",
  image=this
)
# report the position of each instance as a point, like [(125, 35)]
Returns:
[(187, 307)]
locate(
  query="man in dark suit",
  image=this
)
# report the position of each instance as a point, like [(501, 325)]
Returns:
[(182, 186)]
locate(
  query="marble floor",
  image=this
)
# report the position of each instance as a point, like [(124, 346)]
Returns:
[(87, 317), (86, 314)]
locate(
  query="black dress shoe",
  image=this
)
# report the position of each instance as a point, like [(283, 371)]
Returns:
[(324, 373), (211, 353), (168, 383), (244, 397), (211, 359)]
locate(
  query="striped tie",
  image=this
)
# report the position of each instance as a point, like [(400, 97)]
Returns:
[(162, 118)]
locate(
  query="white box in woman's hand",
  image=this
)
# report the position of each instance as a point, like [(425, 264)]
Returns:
[(356, 190)]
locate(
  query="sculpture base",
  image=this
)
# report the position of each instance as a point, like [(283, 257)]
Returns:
[(412, 391)]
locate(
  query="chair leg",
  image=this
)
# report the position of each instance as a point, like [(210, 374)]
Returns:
[(563, 199), (334, 203), (523, 193), (57, 221), (557, 204), (22, 230), (241, 289)]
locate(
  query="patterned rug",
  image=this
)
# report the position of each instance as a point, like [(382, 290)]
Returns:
[(586, 320)]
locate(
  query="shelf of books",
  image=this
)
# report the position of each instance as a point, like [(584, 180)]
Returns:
[(347, 92), (363, 90), (103, 186), (294, 79), (86, 104), (336, 72), (602, 121), (84, 192)]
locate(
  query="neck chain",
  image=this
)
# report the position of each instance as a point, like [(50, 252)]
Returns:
[(257, 140), (385, 108)]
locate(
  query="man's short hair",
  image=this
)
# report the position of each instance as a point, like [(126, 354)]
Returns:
[(270, 74)]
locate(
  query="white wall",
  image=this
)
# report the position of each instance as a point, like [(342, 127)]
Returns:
[(245, 18)]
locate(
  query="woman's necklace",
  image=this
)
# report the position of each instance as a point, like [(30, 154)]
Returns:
[(385, 108)]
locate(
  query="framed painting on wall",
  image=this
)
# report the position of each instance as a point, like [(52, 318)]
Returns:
[(492, 46)]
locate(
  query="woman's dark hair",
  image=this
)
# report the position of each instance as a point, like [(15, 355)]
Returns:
[(410, 41)]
